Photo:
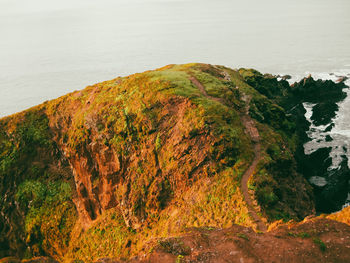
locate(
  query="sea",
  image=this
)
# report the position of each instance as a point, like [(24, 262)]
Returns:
[(49, 47)]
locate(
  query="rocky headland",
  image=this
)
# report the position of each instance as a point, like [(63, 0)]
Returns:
[(186, 163)]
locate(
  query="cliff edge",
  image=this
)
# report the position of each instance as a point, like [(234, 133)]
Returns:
[(106, 171)]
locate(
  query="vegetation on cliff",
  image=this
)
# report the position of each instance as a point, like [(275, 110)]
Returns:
[(104, 171), (36, 192)]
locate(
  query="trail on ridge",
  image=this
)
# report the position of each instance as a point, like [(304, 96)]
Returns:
[(255, 137)]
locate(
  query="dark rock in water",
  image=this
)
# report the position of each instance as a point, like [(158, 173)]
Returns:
[(285, 77), (269, 76), (324, 112), (325, 94), (329, 138), (329, 127), (330, 196), (342, 79), (316, 163), (317, 91), (282, 77), (333, 196)]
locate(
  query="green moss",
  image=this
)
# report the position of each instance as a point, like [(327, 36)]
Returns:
[(29, 133), (304, 235), (249, 73), (320, 244), (33, 132), (50, 215), (27, 153), (32, 192), (301, 234), (178, 79), (244, 236), (266, 196), (158, 142), (214, 86)]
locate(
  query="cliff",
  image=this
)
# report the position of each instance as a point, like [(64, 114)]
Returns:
[(105, 171)]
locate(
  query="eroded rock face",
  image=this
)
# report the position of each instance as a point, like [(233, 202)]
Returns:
[(102, 174)]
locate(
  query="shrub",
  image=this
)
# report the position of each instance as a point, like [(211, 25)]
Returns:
[(320, 243)]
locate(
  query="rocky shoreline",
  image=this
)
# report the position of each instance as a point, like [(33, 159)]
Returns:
[(325, 167), (313, 105)]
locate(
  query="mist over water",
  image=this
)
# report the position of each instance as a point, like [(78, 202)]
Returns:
[(49, 48)]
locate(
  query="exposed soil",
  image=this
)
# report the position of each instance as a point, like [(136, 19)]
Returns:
[(244, 186), (316, 240)]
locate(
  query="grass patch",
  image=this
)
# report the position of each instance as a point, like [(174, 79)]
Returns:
[(244, 236), (320, 244), (301, 234), (107, 237), (50, 215)]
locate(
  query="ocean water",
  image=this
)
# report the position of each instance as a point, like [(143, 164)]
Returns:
[(49, 48)]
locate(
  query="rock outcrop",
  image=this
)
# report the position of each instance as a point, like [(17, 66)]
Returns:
[(323, 95)]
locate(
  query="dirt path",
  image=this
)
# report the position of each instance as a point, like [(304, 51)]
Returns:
[(254, 135), (244, 186), (203, 91)]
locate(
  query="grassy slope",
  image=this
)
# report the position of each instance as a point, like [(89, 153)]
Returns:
[(36, 197), (146, 120)]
